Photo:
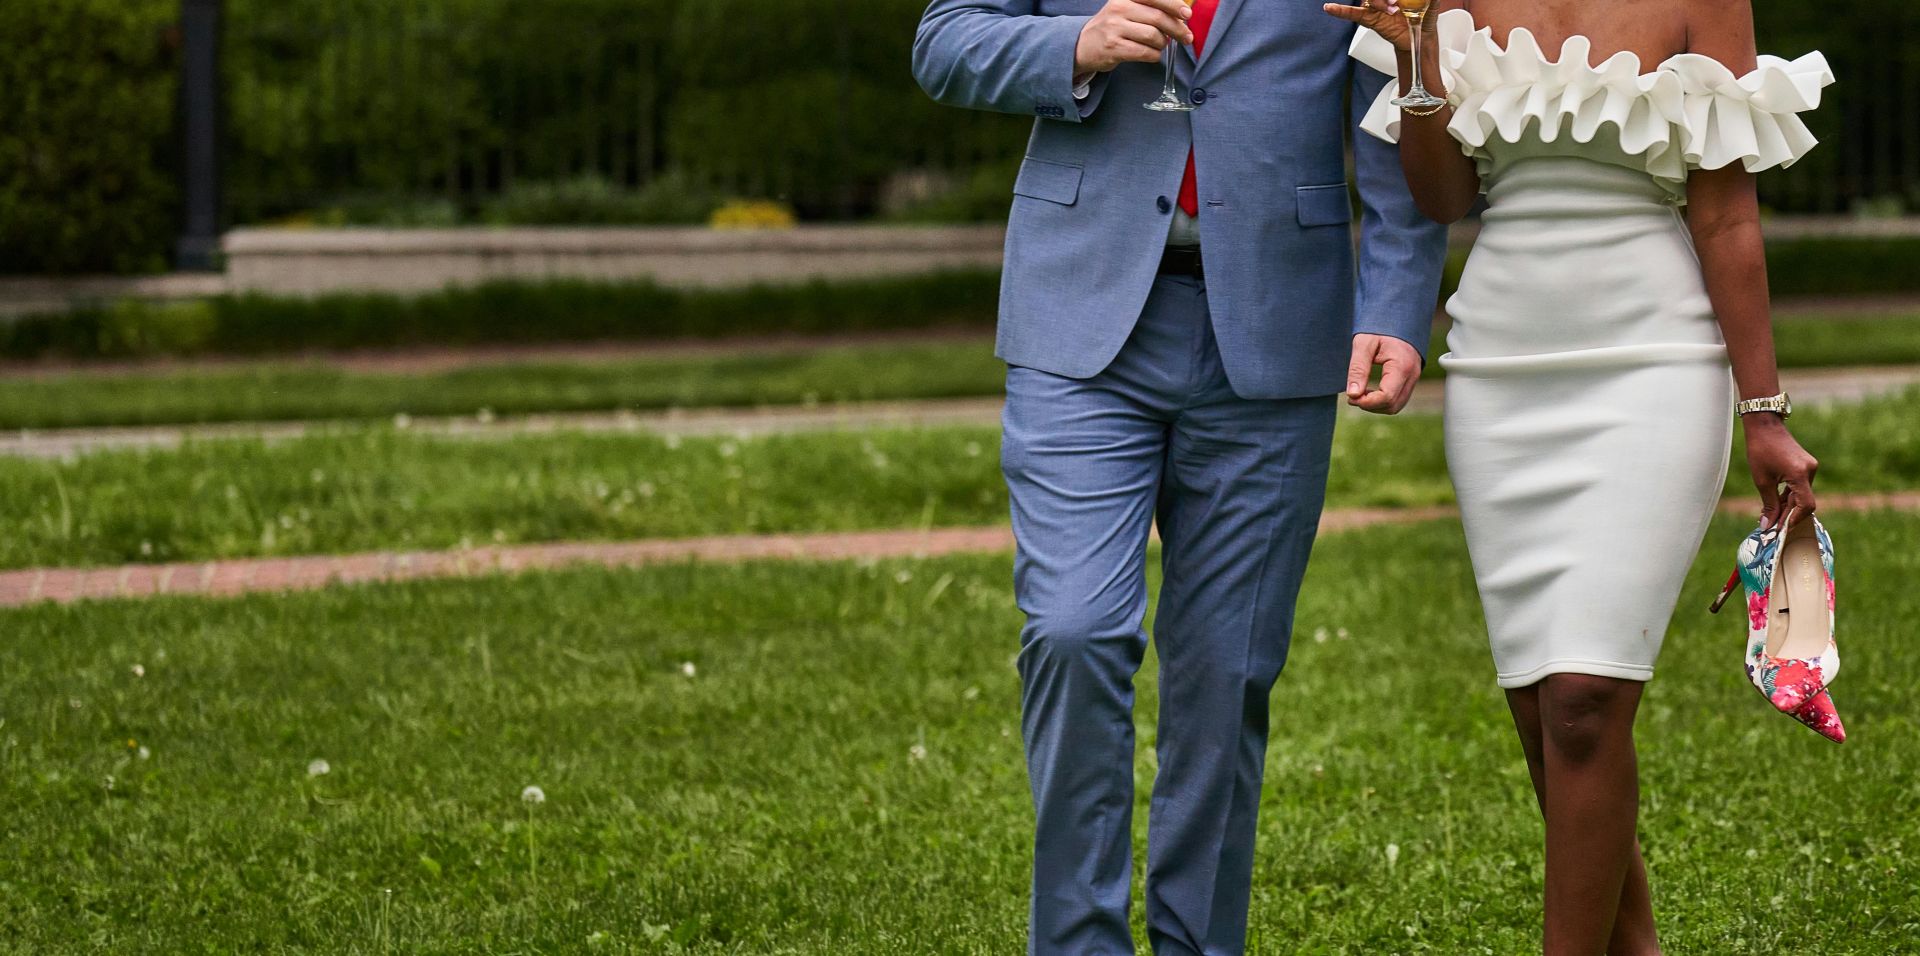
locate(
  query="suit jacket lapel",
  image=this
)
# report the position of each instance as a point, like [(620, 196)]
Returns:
[(1222, 19)]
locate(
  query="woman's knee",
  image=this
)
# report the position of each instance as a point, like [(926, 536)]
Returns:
[(1582, 715)]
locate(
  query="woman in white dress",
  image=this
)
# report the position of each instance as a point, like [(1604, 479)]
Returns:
[(1600, 336)]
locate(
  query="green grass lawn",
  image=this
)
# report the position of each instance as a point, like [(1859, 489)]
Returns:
[(381, 488), (280, 390), (839, 771)]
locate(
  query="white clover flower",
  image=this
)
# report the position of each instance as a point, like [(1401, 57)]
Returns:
[(1319, 635), (1342, 634), (971, 693), (645, 488), (533, 795), (672, 442), (319, 768), (146, 549), (403, 421), (139, 671), (1393, 854), (902, 576), (917, 752), (143, 753), (687, 669), (974, 450)]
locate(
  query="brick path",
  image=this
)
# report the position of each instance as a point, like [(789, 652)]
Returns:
[(227, 578), (243, 576), (1809, 387)]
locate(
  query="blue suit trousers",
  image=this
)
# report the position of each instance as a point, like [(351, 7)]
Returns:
[(1236, 486)]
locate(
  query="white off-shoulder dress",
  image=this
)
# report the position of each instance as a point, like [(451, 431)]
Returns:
[(1589, 406)]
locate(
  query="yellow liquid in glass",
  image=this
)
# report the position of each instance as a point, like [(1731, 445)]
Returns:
[(1414, 6)]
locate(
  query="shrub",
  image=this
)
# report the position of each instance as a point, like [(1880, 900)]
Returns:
[(86, 105), (595, 201), (986, 195), (501, 313)]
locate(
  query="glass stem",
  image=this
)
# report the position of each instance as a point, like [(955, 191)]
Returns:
[(1170, 92), (1418, 23)]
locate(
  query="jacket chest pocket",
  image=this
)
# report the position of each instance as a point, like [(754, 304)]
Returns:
[(1050, 181)]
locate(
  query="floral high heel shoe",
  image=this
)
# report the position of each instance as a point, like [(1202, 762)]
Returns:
[(1791, 658)]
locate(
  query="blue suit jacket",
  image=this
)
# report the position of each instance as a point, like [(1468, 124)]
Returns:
[(1094, 198)]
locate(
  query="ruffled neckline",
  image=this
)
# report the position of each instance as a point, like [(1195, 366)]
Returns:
[(1690, 112)]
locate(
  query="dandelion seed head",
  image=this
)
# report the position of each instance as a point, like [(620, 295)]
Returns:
[(687, 669), (318, 768), (533, 795)]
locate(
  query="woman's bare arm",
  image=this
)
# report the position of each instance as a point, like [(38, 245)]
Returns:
[(1444, 180), (1724, 218)]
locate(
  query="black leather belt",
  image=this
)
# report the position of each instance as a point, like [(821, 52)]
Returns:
[(1182, 262)]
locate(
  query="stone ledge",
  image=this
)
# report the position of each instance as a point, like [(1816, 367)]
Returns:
[(684, 241), (315, 262)]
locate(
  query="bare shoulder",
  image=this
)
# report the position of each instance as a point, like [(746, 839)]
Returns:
[(1723, 30)]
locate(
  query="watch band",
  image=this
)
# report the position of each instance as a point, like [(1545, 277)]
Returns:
[(1779, 404)]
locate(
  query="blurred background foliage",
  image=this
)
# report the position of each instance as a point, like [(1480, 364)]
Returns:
[(86, 113), (606, 112)]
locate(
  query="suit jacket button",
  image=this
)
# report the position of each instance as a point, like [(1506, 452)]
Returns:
[(1199, 96), (1165, 204)]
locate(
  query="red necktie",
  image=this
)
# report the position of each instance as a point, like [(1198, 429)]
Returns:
[(1203, 11)]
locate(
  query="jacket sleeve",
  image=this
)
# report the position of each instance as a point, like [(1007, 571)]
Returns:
[(1000, 55), (1402, 252)]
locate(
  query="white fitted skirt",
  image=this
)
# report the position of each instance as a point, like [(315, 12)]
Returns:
[(1588, 417)]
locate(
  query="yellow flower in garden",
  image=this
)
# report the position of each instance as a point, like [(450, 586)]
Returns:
[(744, 214)]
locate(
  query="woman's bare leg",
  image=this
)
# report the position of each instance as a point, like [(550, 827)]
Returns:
[(1633, 931)]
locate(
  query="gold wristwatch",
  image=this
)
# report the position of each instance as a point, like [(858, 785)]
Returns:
[(1779, 404)]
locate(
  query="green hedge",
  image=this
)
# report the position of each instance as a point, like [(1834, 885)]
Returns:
[(511, 312), (86, 106), (499, 313)]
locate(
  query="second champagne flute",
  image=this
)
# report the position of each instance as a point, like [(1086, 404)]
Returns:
[(1417, 96)]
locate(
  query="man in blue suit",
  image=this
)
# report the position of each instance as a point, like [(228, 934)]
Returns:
[(1180, 309)]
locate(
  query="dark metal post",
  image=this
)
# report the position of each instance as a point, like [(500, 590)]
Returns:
[(199, 246)]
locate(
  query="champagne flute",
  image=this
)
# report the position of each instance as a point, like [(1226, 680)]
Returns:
[(1170, 100), (1417, 96)]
